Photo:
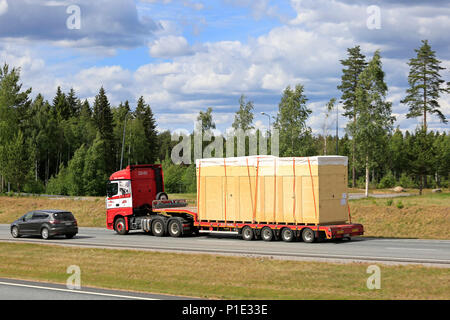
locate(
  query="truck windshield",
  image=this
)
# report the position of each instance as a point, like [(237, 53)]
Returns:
[(112, 189)]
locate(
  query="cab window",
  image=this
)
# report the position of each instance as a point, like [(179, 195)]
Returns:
[(112, 189)]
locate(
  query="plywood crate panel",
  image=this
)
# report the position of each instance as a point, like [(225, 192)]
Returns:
[(269, 189)]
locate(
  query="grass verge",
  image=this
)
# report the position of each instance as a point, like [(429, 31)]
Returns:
[(210, 276), (422, 217)]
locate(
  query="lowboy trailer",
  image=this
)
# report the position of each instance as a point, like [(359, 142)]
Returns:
[(137, 201)]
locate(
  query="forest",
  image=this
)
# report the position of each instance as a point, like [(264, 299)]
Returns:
[(68, 146)]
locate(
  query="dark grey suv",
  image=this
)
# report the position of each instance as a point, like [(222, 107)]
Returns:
[(46, 223)]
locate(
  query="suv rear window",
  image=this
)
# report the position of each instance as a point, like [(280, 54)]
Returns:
[(64, 216)]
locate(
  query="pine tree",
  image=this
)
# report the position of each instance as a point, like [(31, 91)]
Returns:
[(353, 66), (73, 104), (421, 156), (14, 110), (425, 85), (397, 152), (95, 175), (75, 171), (103, 120), (145, 114), (61, 106)]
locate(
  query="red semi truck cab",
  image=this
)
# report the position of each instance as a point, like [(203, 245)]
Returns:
[(130, 193)]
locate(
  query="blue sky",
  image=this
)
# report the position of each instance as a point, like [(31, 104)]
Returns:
[(184, 56)]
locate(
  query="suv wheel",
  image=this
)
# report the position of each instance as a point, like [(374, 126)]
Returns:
[(45, 234), (15, 232)]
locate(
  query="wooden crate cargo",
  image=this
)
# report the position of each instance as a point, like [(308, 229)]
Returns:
[(268, 189)]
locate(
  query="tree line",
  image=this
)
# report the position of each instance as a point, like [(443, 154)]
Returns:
[(68, 146)]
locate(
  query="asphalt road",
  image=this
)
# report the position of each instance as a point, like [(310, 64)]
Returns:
[(398, 251), (31, 290)]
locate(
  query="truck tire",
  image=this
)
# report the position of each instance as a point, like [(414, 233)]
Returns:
[(287, 234), (308, 235), (247, 233), (267, 234), (162, 196), (175, 228), (120, 226), (158, 228)]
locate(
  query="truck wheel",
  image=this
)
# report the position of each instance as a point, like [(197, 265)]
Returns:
[(175, 228), (162, 196), (247, 233), (120, 226), (266, 234), (287, 235), (308, 235), (158, 228)]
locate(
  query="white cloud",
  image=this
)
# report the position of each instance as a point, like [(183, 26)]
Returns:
[(3, 7), (113, 24), (169, 47)]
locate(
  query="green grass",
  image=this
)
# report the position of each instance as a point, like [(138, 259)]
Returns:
[(422, 217), (223, 277)]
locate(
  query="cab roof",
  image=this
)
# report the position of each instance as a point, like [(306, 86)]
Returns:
[(125, 174)]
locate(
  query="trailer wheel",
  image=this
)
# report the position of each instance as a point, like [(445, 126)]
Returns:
[(120, 226), (267, 234), (308, 235), (287, 234), (247, 233), (158, 228), (175, 228)]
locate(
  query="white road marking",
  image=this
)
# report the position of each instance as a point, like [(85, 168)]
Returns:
[(75, 291), (415, 249)]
